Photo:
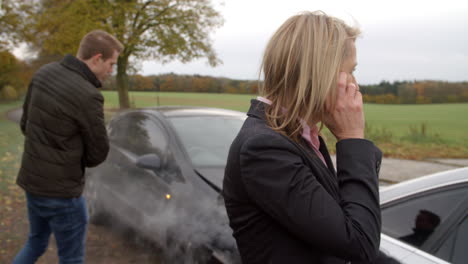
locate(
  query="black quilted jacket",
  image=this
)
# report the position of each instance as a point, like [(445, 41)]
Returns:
[(63, 125)]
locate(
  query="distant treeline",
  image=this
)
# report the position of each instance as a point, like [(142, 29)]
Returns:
[(187, 83), (415, 92), (399, 92), (16, 74)]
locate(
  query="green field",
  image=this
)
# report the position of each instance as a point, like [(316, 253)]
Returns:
[(405, 131), (12, 214), (239, 102), (11, 146), (444, 123), (448, 121)]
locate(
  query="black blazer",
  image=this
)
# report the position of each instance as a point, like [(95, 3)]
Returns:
[(285, 206)]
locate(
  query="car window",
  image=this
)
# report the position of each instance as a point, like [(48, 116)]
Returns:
[(207, 138), (156, 135), (139, 134), (461, 245), (446, 249), (454, 249), (413, 220)]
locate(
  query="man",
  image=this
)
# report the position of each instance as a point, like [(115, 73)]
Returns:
[(63, 125), (425, 223)]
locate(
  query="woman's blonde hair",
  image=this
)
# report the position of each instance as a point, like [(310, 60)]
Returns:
[(301, 65)]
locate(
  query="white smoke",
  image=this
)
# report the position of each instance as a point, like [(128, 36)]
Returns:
[(189, 228)]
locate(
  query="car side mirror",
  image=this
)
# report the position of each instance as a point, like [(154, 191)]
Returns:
[(149, 161)]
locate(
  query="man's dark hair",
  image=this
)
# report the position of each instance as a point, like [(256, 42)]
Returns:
[(433, 218), (98, 42)]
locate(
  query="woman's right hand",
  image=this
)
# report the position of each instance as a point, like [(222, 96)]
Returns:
[(346, 119)]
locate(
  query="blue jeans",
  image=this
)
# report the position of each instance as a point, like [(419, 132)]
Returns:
[(66, 218)]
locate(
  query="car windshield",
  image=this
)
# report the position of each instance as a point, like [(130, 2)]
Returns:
[(207, 138)]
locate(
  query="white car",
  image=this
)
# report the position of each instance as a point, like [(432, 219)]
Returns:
[(425, 220)]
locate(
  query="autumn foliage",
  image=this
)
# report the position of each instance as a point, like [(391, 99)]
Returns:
[(415, 92), (187, 83), (407, 92), (14, 76)]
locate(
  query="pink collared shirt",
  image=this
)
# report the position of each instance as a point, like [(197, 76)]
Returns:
[(310, 134)]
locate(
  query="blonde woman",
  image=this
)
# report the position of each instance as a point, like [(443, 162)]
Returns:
[(285, 201)]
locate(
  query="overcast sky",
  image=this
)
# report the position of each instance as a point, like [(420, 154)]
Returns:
[(401, 40)]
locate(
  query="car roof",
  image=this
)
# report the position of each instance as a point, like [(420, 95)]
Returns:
[(432, 181), (178, 111), (183, 111)]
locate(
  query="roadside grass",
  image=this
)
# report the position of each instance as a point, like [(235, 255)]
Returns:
[(401, 131), (419, 131), (448, 122), (404, 148), (11, 146), (12, 214)]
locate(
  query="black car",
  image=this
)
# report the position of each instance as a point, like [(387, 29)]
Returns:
[(163, 178)]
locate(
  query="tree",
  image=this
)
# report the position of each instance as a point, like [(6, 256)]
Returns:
[(141, 83), (164, 30), (9, 20), (8, 67), (407, 93), (14, 75)]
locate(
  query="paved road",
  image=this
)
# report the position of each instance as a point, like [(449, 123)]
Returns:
[(15, 115), (392, 170)]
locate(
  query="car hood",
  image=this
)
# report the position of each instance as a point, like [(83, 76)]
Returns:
[(212, 174)]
